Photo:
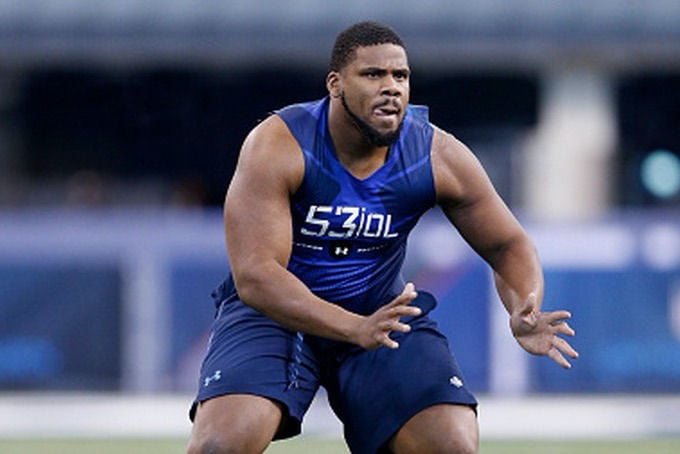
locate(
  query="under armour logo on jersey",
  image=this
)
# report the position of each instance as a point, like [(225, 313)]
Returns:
[(340, 249), (214, 377)]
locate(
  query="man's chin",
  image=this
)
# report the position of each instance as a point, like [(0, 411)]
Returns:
[(383, 136), (386, 129), (384, 139)]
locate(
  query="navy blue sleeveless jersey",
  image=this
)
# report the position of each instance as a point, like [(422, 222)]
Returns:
[(350, 234)]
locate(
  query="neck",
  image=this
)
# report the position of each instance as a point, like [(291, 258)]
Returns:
[(353, 150)]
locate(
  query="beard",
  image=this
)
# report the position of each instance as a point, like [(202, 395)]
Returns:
[(372, 135)]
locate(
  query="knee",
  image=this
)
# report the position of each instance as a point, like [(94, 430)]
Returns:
[(203, 446), (465, 444), (234, 424), (456, 440), (220, 445), (207, 445), (464, 439)]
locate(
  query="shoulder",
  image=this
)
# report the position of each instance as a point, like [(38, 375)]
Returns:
[(271, 129), (270, 150), (447, 147), (458, 174)]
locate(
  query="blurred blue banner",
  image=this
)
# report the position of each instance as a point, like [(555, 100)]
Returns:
[(121, 301), (624, 325), (60, 326)]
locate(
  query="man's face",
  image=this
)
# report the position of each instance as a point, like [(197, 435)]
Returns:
[(375, 91)]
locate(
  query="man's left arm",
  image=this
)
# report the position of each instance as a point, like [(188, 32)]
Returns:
[(473, 206)]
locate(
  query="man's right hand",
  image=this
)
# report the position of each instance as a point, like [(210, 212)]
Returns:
[(374, 330)]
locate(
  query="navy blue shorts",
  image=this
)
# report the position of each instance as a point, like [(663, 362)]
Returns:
[(372, 392)]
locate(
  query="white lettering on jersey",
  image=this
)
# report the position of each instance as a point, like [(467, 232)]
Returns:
[(355, 223)]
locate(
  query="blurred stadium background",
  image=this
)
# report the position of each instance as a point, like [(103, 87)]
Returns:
[(120, 124)]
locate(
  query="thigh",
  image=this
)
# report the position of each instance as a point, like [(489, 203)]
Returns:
[(376, 392), (234, 423), (249, 354), (443, 428)]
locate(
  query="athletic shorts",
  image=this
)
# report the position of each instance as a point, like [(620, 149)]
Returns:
[(372, 392)]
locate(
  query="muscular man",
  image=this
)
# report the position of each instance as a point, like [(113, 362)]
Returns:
[(316, 221)]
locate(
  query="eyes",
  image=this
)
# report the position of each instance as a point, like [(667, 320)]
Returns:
[(400, 75)]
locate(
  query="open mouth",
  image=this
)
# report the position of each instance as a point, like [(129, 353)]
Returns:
[(386, 109), (385, 112)]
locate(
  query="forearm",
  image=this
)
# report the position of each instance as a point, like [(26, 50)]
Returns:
[(517, 275), (278, 294), (519, 281)]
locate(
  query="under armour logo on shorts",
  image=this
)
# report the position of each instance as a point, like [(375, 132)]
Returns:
[(214, 377)]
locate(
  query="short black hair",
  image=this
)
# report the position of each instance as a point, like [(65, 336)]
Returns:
[(361, 34)]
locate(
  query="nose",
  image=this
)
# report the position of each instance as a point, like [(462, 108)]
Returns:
[(391, 87)]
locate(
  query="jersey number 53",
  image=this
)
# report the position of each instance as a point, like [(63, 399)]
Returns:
[(347, 222)]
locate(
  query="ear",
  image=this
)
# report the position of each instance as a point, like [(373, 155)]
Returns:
[(334, 84)]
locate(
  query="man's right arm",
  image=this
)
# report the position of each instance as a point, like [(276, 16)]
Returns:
[(258, 231)]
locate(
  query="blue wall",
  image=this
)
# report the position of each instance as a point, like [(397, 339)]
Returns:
[(70, 302), (60, 326), (624, 330)]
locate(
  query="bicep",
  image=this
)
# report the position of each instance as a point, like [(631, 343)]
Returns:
[(257, 206), (469, 200)]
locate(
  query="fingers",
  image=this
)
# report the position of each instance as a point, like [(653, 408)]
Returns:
[(564, 347), (399, 306), (556, 324), (396, 325), (564, 328), (383, 336), (556, 316), (407, 295), (388, 342), (556, 321), (556, 356), (393, 311), (559, 348)]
